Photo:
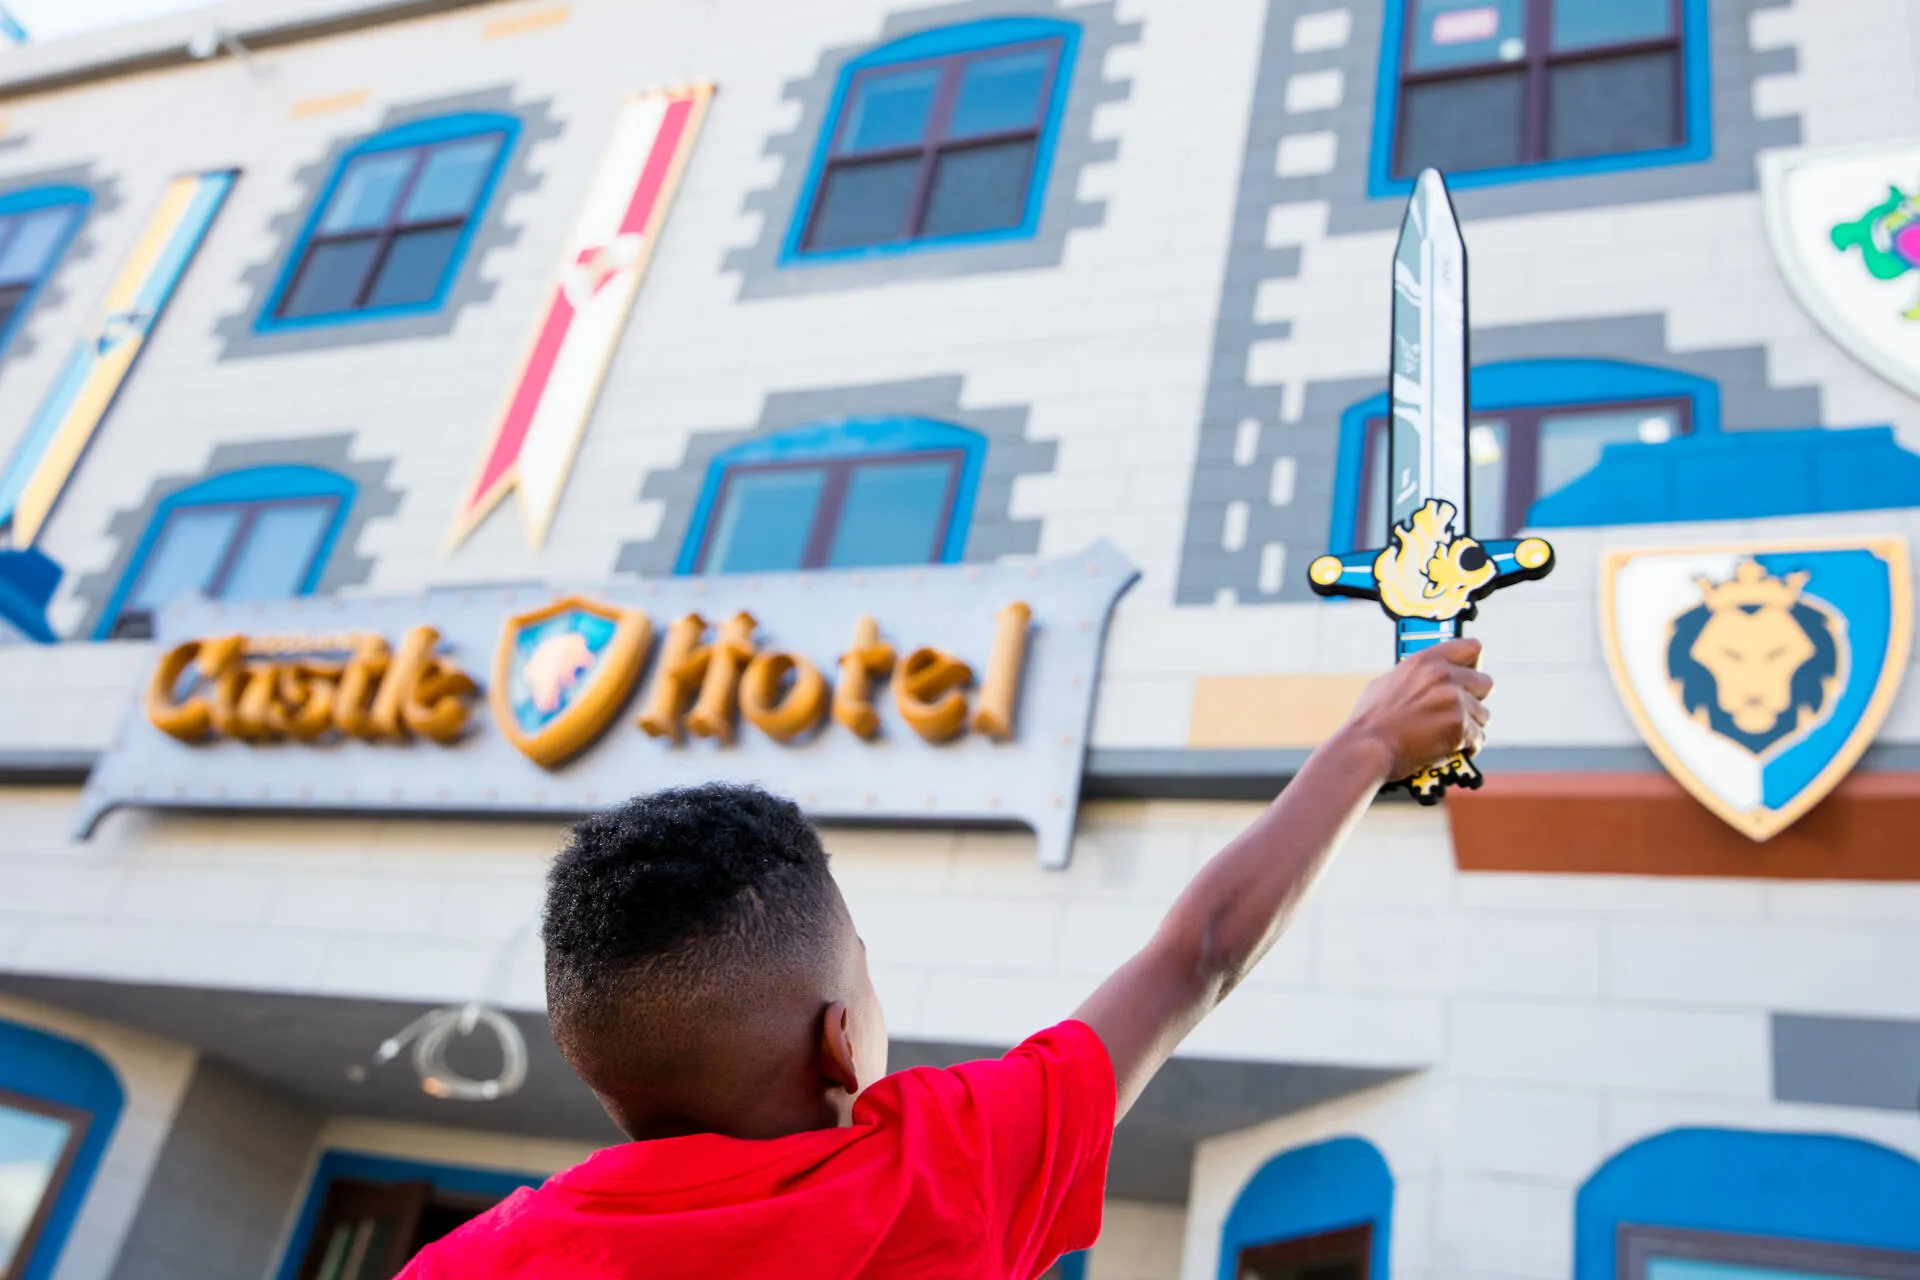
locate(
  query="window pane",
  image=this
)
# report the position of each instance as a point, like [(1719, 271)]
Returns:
[(1570, 445), (414, 270), (332, 278), (185, 556), (30, 1149), (1373, 507), (10, 299), (767, 519), (894, 514), (864, 204), (890, 110), (364, 199), (979, 189), (30, 250), (1613, 106), (997, 94), (1458, 125), (1458, 33), (1487, 450), (279, 550), (451, 180), (1582, 24)]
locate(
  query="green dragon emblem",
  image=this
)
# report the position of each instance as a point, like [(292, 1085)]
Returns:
[(1888, 238)]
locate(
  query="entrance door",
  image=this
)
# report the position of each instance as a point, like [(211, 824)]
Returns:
[(1334, 1255), (366, 1230)]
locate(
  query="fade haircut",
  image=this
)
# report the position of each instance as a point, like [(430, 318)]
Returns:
[(672, 910)]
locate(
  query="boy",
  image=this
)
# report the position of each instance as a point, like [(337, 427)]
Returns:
[(705, 979)]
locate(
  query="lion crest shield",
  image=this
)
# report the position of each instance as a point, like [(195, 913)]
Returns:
[(1759, 674)]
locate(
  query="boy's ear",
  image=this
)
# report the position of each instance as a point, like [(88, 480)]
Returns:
[(836, 1048)]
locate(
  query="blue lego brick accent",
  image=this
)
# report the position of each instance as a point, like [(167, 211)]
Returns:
[(1329, 1186), (454, 1179), (1696, 41), (447, 128), (37, 1065), (849, 438), (965, 37), (255, 484), (1517, 384), (27, 582), (1795, 1186), (1740, 475)]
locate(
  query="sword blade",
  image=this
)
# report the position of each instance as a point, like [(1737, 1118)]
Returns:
[(1427, 442)]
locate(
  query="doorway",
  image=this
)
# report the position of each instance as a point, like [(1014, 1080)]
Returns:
[(1330, 1255), (369, 1230)]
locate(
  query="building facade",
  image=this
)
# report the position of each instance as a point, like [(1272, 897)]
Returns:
[(334, 319)]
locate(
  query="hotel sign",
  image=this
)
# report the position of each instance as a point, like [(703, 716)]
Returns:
[(948, 694)]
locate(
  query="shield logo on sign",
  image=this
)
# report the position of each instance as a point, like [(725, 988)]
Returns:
[(1845, 226), (562, 673), (1759, 673)]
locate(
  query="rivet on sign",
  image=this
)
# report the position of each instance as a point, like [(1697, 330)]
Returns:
[(872, 800), (1033, 572), (1093, 569), (1059, 801), (1086, 624)]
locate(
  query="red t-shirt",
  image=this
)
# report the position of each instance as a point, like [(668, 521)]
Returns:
[(986, 1171)]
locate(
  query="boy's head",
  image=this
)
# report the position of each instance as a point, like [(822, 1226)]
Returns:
[(703, 974)]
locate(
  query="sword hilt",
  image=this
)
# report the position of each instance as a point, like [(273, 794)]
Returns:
[(1356, 575)]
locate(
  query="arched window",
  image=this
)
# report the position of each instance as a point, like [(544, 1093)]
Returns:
[(387, 235), (943, 137), (1728, 1204), (1538, 426), (36, 226), (59, 1102), (863, 491), (260, 534), (1326, 1209), (1504, 90)]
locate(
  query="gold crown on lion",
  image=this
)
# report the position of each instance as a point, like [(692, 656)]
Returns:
[(1752, 587)]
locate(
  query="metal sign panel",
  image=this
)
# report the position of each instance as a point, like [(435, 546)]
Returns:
[(943, 694)]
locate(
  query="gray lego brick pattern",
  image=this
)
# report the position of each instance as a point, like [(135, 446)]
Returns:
[(1846, 1062), (344, 568), (106, 199), (1063, 211), (1303, 525), (1737, 133), (234, 1162), (1010, 454), (538, 124)]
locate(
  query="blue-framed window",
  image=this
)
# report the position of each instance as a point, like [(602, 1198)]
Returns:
[(59, 1103), (393, 222), (1503, 90), (1324, 1210), (1731, 1204), (36, 226), (1538, 427), (859, 492), (260, 534), (382, 1211), (941, 138)]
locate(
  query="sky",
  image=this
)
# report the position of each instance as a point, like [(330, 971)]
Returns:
[(51, 19)]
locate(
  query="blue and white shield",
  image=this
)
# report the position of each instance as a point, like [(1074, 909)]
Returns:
[(1759, 674), (563, 672)]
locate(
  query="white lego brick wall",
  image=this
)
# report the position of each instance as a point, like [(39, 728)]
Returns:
[(154, 1074)]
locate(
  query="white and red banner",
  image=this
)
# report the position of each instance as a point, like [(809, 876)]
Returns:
[(533, 443)]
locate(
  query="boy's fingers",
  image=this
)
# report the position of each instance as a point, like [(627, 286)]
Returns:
[(1475, 682), (1463, 652), (1478, 710)]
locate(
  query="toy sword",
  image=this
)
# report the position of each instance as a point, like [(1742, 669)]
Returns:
[(1431, 574)]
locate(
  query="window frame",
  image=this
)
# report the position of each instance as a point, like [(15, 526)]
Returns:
[(1692, 39), (844, 443), (33, 200), (80, 1120), (1523, 424), (1550, 384), (953, 46), (1342, 1244), (256, 489), (433, 132), (833, 498), (1639, 1245)]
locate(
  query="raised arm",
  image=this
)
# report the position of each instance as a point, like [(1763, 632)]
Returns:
[(1421, 712)]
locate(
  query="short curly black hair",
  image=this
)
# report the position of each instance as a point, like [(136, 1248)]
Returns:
[(667, 909)]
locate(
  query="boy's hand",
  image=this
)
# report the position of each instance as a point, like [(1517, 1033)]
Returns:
[(1425, 709)]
